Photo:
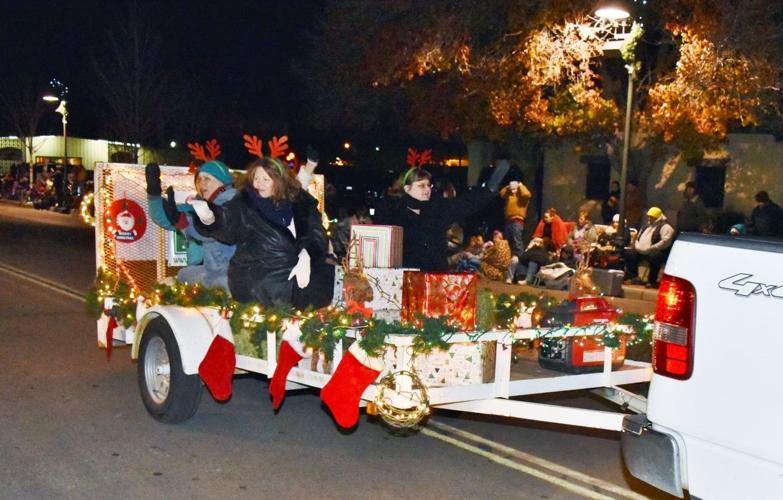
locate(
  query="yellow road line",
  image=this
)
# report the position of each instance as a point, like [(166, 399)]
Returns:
[(565, 484), (41, 281), (532, 459)]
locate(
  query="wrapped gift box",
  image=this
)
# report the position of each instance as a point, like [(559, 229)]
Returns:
[(440, 294), (462, 364), (376, 245), (386, 288)]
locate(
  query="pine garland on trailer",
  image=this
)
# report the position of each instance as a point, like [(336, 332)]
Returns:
[(323, 328), (109, 285)]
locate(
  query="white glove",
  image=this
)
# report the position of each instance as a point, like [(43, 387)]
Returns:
[(302, 269), (305, 175), (513, 185), (205, 214)]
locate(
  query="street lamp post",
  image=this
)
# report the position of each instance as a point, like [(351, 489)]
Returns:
[(61, 91), (63, 110), (620, 236), (614, 11)]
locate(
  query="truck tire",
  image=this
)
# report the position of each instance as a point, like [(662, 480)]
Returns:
[(169, 395)]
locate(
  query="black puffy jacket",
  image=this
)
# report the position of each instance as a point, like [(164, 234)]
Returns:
[(266, 252)]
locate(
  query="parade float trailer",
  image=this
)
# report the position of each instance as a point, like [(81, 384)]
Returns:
[(474, 371)]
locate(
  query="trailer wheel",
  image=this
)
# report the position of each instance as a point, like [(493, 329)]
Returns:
[(169, 395)]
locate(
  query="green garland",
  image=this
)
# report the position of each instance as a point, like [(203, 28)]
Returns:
[(185, 295), (324, 328), (433, 333), (107, 285), (322, 331), (251, 324)]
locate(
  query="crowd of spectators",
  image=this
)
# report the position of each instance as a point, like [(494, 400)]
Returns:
[(502, 244), (47, 192), (498, 241)]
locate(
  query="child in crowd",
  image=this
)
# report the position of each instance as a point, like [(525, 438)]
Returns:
[(497, 257)]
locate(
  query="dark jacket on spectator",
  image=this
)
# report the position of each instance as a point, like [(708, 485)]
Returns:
[(765, 220), (692, 215)]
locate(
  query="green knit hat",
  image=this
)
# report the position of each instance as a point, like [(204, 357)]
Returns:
[(218, 170)]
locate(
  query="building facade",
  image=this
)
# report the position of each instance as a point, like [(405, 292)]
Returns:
[(727, 178), (48, 149)]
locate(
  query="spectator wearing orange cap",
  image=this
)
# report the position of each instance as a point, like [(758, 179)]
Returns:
[(652, 246)]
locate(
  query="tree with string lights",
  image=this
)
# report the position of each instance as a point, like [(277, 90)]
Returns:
[(503, 68)]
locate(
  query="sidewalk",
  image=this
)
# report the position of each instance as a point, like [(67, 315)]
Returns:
[(637, 299), (12, 209)]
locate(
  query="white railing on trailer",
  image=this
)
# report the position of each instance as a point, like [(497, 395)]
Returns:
[(493, 398)]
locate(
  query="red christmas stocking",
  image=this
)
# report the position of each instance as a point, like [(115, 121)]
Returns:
[(291, 352), (342, 393), (217, 367), (111, 325)]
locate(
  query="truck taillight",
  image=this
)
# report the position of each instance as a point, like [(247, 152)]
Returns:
[(673, 332)]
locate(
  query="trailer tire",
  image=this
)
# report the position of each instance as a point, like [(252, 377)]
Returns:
[(170, 395)]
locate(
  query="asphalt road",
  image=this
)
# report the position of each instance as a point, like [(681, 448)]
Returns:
[(72, 424)]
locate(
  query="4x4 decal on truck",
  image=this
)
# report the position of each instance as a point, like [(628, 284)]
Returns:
[(745, 288)]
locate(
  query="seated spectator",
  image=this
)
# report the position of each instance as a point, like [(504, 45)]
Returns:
[(540, 252), (652, 246), (579, 241), (608, 252), (497, 258), (470, 258), (738, 230), (552, 226)]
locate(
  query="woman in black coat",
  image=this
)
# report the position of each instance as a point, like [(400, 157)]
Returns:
[(425, 221), (281, 245)]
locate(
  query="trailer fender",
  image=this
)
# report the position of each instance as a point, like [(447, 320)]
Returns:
[(193, 327)]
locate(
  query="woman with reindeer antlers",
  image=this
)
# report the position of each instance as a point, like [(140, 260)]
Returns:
[(424, 220), (276, 226)]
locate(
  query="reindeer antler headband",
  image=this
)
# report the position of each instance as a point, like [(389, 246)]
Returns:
[(277, 147), (416, 160), (197, 151)]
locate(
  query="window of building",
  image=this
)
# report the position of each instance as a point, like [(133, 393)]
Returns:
[(599, 172), (710, 181)]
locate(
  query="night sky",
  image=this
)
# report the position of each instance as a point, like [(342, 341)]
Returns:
[(245, 56)]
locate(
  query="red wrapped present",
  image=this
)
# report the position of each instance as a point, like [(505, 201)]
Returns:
[(440, 294)]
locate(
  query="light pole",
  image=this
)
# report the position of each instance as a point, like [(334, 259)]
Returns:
[(59, 93), (613, 11)]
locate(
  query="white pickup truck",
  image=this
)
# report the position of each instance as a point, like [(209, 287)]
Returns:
[(715, 397)]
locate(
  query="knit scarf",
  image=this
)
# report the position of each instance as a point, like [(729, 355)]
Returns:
[(279, 214), (413, 203)]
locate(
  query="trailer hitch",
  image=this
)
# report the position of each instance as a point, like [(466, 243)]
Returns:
[(636, 424)]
